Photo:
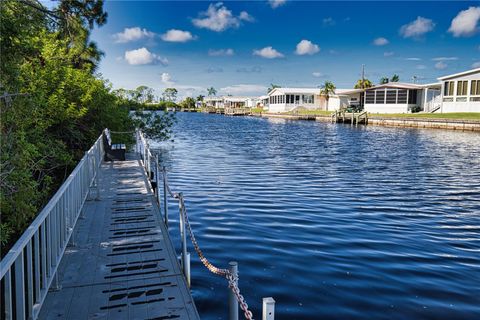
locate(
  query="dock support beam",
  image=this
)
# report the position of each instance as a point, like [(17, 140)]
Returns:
[(165, 198), (232, 300)]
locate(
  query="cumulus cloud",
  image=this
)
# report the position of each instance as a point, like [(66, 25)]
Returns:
[(380, 41), (465, 24), (276, 3), (388, 53), (167, 79), (445, 59), (221, 52), (132, 34), (143, 56), (417, 28), (218, 18), (317, 74), (413, 59), (327, 22), (476, 64), (244, 90), (268, 52), (440, 65), (175, 35), (306, 47)]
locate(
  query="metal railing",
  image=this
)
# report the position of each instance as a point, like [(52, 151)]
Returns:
[(231, 274), (29, 268)]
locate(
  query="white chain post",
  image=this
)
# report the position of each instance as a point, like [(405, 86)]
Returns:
[(232, 299), (268, 309)]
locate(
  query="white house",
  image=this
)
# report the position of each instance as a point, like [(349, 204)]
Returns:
[(288, 99), (230, 102), (397, 97), (214, 102), (461, 91)]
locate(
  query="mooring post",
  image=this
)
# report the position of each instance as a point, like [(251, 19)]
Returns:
[(187, 269), (232, 299), (165, 200), (268, 309), (157, 180)]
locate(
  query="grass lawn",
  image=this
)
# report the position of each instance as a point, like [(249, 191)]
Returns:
[(453, 116)]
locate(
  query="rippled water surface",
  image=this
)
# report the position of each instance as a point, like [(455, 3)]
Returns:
[(334, 222)]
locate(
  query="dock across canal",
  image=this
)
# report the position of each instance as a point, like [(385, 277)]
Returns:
[(122, 264)]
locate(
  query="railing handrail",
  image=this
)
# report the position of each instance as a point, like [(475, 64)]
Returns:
[(34, 259)]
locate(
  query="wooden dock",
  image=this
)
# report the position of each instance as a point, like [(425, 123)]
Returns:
[(123, 264), (350, 117)]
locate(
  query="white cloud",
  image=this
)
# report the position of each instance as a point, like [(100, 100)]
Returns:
[(268, 52), (244, 89), (476, 64), (245, 16), (328, 22), (380, 41), (276, 3), (440, 65), (143, 56), (132, 34), (167, 79), (254, 69), (417, 28), (465, 23), (214, 69), (421, 67), (413, 59), (218, 18), (306, 47), (221, 52), (317, 74), (175, 35), (445, 59), (388, 53)]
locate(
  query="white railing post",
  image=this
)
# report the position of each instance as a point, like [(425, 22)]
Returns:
[(268, 309), (232, 299), (165, 198)]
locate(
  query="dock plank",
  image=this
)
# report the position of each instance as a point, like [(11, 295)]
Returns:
[(123, 265)]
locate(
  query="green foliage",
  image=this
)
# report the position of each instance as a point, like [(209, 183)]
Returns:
[(211, 92), (384, 80), (395, 78), (188, 103), (170, 94), (155, 125), (62, 109), (363, 84)]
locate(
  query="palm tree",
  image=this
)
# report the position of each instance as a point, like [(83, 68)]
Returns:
[(212, 91), (200, 97), (328, 88), (363, 84), (272, 86), (384, 80), (395, 78)]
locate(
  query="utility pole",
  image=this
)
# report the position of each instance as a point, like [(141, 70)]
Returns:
[(363, 76)]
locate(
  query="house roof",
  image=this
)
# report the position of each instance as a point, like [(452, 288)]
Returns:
[(397, 85), (310, 91), (456, 75)]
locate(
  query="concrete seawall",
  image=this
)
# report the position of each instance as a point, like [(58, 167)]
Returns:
[(449, 124)]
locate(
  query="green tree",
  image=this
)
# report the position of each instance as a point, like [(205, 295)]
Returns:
[(395, 78), (188, 103), (211, 91), (272, 86), (170, 94), (384, 80), (327, 89), (200, 97), (363, 84)]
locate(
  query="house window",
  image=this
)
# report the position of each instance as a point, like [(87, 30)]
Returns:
[(392, 96), (370, 97), (412, 97), (288, 98), (402, 96), (308, 99), (448, 88), (462, 88), (297, 99), (380, 97), (475, 88)]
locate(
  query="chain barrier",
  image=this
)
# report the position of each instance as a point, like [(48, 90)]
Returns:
[(231, 278)]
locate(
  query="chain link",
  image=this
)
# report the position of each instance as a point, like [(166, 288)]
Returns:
[(232, 279)]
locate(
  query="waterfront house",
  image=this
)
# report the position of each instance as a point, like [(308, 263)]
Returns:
[(398, 97), (214, 102), (461, 91), (291, 99)]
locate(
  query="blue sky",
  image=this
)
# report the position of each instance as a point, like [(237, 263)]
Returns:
[(241, 47)]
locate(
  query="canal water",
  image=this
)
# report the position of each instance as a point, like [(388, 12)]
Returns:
[(332, 221)]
